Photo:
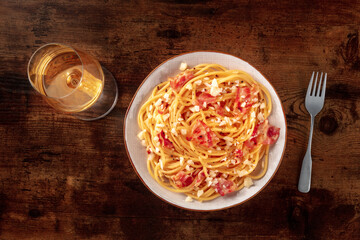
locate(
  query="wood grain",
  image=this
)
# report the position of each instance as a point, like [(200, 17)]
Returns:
[(62, 178)]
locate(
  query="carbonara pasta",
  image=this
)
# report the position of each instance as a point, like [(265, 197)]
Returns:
[(206, 130)]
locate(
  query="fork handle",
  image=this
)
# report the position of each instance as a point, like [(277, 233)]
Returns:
[(305, 174)]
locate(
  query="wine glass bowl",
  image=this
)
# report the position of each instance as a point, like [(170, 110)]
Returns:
[(72, 81)]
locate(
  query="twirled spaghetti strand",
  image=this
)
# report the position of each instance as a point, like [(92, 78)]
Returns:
[(206, 131)]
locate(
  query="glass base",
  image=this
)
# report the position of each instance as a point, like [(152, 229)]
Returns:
[(106, 101)]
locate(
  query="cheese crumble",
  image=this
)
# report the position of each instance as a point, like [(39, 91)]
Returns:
[(183, 66), (215, 90), (248, 182)]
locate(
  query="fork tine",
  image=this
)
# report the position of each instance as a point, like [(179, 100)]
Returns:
[(310, 84), (324, 87), (314, 88), (319, 85)]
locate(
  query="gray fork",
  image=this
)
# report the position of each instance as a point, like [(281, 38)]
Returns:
[(314, 102)]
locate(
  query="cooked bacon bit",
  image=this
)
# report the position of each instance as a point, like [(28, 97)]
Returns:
[(204, 98), (180, 80), (162, 108), (263, 133), (243, 99), (220, 109), (201, 134), (164, 141), (254, 134), (181, 179), (251, 143), (272, 135), (200, 178), (224, 186), (239, 154)]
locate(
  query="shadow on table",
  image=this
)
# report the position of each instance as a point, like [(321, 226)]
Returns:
[(16, 84)]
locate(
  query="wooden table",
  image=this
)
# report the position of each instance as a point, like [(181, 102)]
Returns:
[(62, 178)]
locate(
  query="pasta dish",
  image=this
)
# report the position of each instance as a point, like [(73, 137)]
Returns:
[(206, 130)]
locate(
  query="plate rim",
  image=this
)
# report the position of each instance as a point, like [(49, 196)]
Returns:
[(193, 209)]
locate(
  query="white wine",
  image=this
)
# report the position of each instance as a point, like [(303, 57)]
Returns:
[(70, 83)]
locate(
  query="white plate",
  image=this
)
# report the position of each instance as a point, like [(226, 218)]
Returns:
[(137, 153)]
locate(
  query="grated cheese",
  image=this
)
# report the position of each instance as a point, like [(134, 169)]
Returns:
[(247, 162), (248, 182), (227, 120), (261, 117), (158, 102), (166, 96), (253, 114), (187, 167), (228, 139), (181, 161), (141, 134), (173, 131), (188, 199), (215, 90), (222, 123), (242, 173), (150, 156), (183, 66), (166, 116), (198, 82)]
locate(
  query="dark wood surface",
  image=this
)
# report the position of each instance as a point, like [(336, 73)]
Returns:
[(62, 178)]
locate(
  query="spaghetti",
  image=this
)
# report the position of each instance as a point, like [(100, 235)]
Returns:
[(206, 130)]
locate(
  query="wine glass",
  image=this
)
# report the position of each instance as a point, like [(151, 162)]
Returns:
[(72, 81)]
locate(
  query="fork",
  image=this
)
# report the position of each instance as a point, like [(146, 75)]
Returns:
[(314, 102)]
